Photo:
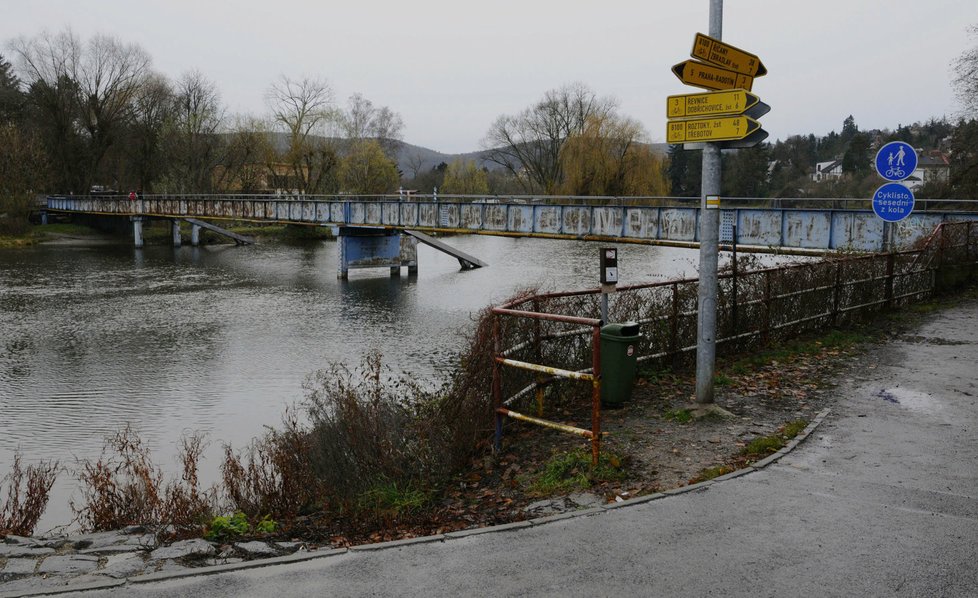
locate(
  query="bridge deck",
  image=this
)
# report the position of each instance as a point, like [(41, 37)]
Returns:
[(801, 228)]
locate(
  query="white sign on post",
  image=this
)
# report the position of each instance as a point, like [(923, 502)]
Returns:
[(727, 220)]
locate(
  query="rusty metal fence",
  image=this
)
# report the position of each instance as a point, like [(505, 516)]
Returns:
[(548, 337)]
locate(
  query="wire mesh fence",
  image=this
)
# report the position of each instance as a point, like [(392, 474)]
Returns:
[(754, 308)]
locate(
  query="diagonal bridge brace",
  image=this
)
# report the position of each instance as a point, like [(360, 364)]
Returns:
[(468, 262)]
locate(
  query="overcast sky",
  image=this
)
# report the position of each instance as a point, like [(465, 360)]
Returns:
[(451, 68)]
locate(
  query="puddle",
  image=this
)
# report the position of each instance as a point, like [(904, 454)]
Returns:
[(913, 400)]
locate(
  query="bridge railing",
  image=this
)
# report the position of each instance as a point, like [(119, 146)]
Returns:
[(755, 308), (844, 203)]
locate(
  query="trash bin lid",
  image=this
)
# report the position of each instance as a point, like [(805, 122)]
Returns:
[(620, 329)]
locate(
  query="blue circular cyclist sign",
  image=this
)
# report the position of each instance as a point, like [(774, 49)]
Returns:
[(893, 202), (896, 161)]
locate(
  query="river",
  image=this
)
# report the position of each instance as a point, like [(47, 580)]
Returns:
[(218, 339)]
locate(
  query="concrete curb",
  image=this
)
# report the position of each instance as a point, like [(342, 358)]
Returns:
[(515, 526), (398, 543)]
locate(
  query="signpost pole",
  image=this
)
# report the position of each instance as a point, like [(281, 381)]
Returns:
[(709, 247)]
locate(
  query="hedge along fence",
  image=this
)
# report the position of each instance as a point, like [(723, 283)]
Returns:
[(754, 307)]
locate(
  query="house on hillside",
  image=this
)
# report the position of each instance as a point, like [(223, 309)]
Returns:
[(932, 167), (825, 171)]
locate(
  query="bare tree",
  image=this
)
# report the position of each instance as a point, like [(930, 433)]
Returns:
[(362, 120), (109, 79), (529, 144), (153, 108), (247, 160), (91, 87), (965, 81), (303, 108), (193, 143), (46, 64)]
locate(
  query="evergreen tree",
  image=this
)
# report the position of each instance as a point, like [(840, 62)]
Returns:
[(856, 160), (11, 95), (745, 172), (685, 171)]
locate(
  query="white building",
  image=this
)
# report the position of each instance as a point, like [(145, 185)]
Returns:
[(825, 171)]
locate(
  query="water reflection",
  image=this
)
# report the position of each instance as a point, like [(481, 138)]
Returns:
[(220, 339)]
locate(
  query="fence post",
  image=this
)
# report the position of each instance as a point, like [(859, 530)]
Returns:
[(837, 293), (967, 252), (733, 303), (766, 325), (595, 395), (497, 389), (889, 281), (674, 326), (538, 357)]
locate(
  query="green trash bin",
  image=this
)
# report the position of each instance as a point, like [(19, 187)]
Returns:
[(619, 362)]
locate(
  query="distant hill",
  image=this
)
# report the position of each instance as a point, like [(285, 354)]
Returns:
[(411, 158), (414, 159)]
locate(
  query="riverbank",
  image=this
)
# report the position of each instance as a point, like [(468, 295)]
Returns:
[(657, 447), (81, 235)]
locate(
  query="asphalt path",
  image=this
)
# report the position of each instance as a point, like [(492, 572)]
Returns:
[(881, 500)]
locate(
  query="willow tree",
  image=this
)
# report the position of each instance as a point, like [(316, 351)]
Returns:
[(463, 177), (365, 170), (611, 156), (528, 144)]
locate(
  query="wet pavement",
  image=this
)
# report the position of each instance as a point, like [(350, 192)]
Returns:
[(880, 500)]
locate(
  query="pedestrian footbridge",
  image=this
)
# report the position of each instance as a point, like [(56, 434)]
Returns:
[(381, 231)]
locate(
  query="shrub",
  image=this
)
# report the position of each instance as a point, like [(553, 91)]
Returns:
[(366, 426), (272, 477)]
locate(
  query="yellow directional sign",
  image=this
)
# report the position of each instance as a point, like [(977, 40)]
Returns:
[(718, 103), (708, 76), (710, 129), (726, 56)]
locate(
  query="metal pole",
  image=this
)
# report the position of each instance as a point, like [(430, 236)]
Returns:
[(706, 325)]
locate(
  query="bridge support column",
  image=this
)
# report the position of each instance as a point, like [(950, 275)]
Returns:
[(44, 217), (195, 234), (137, 231), (175, 227), (409, 255), (368, 248)]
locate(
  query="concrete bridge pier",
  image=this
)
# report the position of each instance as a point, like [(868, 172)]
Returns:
[(362, 247), (195, 235), (175, 227), (137, 231), (409, 256)]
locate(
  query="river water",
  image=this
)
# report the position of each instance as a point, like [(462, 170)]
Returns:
[(219, 339)]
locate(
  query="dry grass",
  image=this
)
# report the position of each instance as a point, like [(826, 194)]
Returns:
[(28, 490), (124, 487)]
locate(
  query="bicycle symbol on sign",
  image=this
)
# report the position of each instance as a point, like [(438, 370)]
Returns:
[(896, 171)]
